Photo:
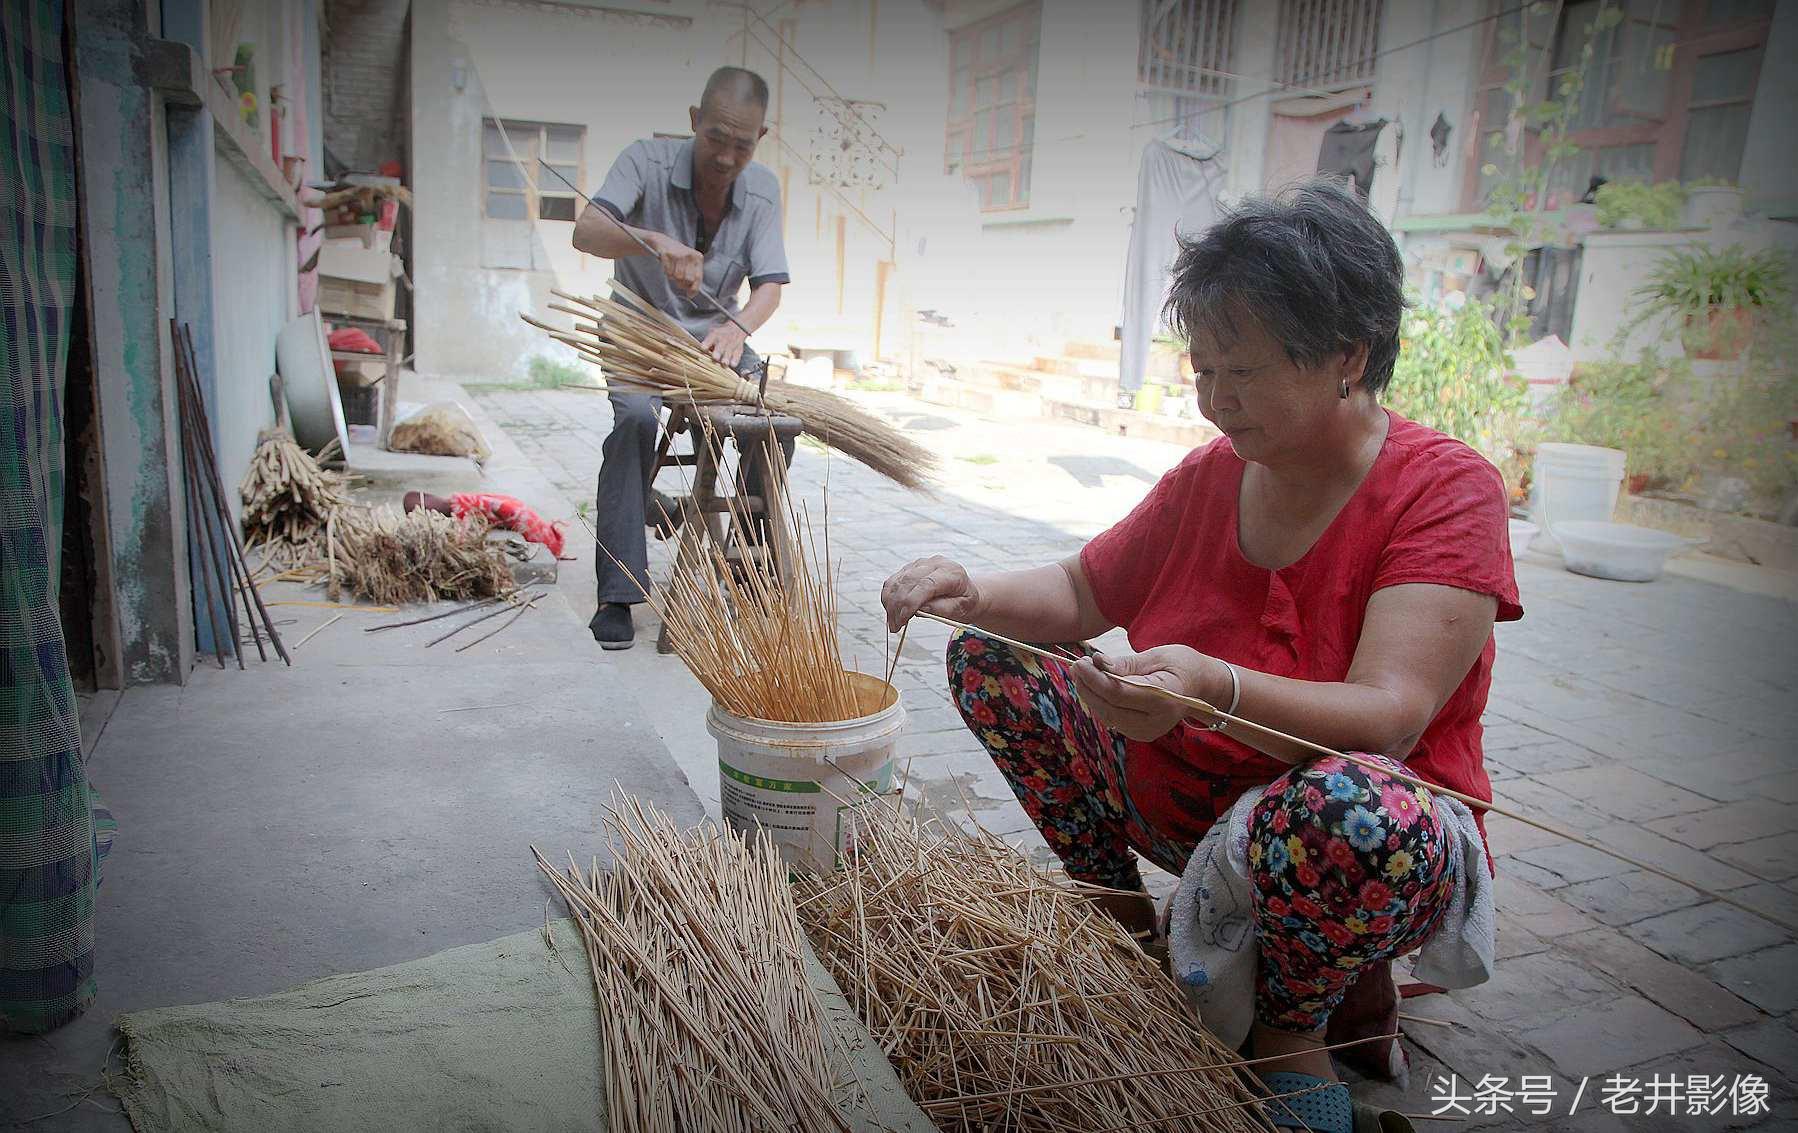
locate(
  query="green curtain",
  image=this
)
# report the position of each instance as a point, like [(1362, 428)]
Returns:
[(47, 875)]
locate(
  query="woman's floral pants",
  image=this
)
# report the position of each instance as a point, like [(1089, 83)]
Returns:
[(1350, 866)]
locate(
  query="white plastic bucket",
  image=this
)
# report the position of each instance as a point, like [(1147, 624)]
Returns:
[(803, 782), (1617, 551), (1522, 531), (1574, 483)]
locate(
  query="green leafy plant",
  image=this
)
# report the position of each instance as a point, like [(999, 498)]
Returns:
[(1454, 375), (1641, 407), (1747, 426), (1713, 297), (1656, 206), (1692, 282), (551, 373)]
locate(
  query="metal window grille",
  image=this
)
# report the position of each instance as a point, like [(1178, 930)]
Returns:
[(1326, 43), (1185, 46), (845, 146)]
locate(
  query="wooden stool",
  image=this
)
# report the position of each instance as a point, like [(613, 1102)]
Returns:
[(704, 513)]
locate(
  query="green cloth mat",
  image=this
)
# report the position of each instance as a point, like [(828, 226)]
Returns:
[(499, 1036)]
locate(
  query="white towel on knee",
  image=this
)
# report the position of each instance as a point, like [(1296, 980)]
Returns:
[(1211, 927)]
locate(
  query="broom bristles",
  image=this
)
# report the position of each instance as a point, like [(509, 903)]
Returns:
[(629, 338)]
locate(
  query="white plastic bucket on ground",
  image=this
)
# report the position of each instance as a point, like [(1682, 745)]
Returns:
[(1618, 551), (1574, 483), (802, 782), (1522, 531)]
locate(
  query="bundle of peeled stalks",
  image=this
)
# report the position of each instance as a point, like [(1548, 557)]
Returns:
[(708, 1019), (392, 558), (1006, 998), (764, 649), (287, 501), (632, 341)]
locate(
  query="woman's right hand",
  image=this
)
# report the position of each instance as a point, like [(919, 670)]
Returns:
[(935, 584)]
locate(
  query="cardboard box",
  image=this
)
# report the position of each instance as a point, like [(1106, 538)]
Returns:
[(355, 280)]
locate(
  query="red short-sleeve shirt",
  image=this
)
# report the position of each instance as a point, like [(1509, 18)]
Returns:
[(1430, 510)]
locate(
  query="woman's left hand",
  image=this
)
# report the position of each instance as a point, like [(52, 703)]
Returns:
[(1137, 712)]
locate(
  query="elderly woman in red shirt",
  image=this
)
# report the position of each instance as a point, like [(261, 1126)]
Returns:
[(1326, 567)]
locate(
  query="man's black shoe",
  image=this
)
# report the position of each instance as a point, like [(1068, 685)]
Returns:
[(612, 626)]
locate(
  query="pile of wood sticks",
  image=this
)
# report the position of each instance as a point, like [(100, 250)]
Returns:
[(1005, 999), (630, 340), (709, 1021), (224, 574), (288, 499), (394, 558)]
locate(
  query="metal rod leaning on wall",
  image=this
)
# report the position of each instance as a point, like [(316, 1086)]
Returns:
[(195, 428), (210, 459)]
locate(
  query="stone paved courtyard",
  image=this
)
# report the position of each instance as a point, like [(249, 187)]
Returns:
[(1657, 719)]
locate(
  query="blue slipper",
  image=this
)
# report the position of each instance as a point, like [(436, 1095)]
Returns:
[(1315, 1104)]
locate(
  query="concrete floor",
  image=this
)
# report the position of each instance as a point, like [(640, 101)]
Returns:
[(279, 825)]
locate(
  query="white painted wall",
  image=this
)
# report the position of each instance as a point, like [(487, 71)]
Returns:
[(1413, 86), (1769, 172), (622, 78), (252, 280)]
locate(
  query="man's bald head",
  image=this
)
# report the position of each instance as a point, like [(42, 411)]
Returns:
[(736, 86), (728, 122)]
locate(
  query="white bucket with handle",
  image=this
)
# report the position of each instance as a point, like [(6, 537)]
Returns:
[(1574, 482), (803, 783)]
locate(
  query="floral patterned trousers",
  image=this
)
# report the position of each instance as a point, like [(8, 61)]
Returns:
[(1350, 866)]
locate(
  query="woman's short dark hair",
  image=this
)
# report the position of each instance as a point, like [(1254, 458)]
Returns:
[(1312, 266)]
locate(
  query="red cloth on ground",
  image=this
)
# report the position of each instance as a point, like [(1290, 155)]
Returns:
[(509, 514), (354, 338), (1430, 510)]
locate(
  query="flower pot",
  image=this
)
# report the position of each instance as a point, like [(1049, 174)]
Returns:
[(1708, 206), (1719, 334), (1638, 483)]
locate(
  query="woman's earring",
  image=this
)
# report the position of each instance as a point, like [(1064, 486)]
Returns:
[(1345, 389)]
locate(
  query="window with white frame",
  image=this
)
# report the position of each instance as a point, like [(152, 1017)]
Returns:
[(515, 186)]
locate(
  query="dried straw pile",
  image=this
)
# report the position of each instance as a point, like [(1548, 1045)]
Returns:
[(629, 339), (1005, 1000), (392, 558), (287, 502), (708, 1020)]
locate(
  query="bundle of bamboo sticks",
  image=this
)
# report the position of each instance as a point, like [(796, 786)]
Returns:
[(1004, 999), (764, 649), (630, 340), (708, 1019), (287, 501), (421, 556)]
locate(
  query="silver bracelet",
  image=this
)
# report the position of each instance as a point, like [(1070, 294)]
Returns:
[(1235, 695)]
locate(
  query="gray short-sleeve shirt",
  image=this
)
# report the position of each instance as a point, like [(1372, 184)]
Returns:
[(651, 186)]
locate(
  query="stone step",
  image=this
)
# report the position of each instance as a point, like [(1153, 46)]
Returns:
[(1130, 423)]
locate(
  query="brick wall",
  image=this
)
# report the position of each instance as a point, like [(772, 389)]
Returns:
[(364, 68)]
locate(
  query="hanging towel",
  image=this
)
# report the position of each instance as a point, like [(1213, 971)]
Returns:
[(1348, 149), (1211, 930), (1176, 195)]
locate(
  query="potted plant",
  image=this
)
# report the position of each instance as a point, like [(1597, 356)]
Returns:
[(1710, 202), (1632, 204), (1715, 295)]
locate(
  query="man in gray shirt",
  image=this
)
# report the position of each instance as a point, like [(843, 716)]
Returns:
[(713, 217)]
